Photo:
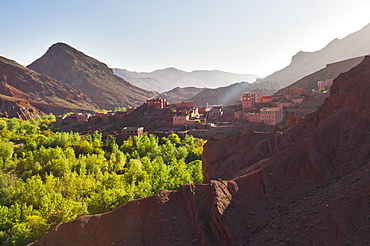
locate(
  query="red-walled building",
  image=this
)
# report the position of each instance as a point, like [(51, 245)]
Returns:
[(253, 117), (258, 97), (265, 99), (157, 103), (248, 100), (271, 115)]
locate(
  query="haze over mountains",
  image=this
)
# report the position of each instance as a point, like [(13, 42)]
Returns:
[(218, 89), (180, 94), (99, 86), (229, 94), (304, 71), (331, 71), (305, 63), (166, 79)]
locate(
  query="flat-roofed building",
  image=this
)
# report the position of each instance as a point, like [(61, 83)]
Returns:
[(248, 99), (158, 103), (128, 131), (179, 120), (253, 117), (271, 115)]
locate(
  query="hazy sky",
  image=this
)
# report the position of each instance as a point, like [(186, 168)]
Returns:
[(249, 36)]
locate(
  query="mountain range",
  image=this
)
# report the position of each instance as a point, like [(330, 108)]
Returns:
[(303, 64), (94, 85), (305, 69), (229, 94), (166, 79)]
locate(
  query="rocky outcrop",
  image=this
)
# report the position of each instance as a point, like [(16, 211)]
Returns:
[(13, 102), (306, 185), (70, 66), (292, 119), (21, 109), (8, 90)]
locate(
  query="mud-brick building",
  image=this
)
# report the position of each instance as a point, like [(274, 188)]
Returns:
[(271, 115), (131, 131), (158, 103), (248, 100), (179, 120)]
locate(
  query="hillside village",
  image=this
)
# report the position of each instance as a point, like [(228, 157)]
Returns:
[(254, 111), (149, 123)]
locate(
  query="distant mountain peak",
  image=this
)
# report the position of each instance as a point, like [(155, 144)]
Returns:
[(300, 55), (162, 80), (61, 45), (169, 69), (94, 78)]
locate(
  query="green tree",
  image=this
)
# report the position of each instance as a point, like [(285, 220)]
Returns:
[(55, 177), (6, 151)]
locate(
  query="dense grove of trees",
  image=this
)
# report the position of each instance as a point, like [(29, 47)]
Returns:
[(47, 178)]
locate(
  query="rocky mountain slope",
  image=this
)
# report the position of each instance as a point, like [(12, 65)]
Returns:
[(304, 63), (166, 79), (179, 94), (306, 185), (309, 82), (14, 102), (22, 85), (229, 94), (331, 71), (93, 78)]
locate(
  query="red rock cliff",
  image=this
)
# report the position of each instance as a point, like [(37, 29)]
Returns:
[(307, 185)]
